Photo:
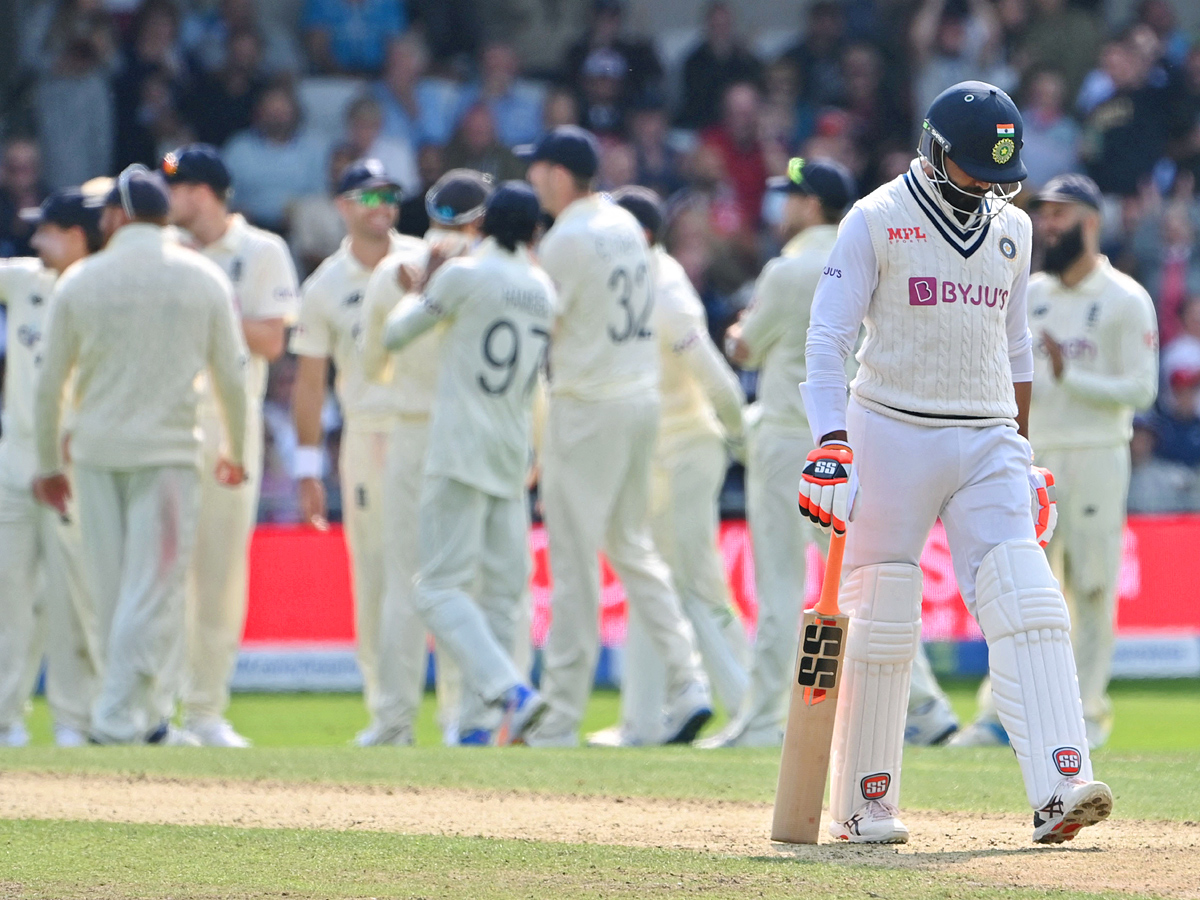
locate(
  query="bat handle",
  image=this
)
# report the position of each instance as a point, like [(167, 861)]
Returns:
[(828, 604)]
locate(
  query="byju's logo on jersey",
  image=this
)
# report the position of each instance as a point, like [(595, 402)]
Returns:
[(1068, 761), (906, 235), (925, 290), (875, 787)]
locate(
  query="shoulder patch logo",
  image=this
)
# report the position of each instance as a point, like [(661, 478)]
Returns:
[(875, 787), (1004, 150), (1008, 248)]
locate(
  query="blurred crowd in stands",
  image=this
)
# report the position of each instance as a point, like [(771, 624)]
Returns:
[(293, 90)]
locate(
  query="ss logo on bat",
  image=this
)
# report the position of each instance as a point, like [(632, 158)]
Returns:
[(820, 647)]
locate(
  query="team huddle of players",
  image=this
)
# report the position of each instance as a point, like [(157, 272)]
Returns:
[(125, 566)]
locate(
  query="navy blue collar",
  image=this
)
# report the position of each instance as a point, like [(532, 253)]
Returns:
[(965, 242)]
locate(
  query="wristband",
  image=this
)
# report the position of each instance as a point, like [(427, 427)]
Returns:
[(309, 463)]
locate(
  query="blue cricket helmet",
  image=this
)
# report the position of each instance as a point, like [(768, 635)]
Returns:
[(979, 127)]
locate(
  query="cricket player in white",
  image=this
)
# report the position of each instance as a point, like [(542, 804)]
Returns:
[(601, 428), (44, 603), (496, 308), (136, 325), (455, 205), (265, 292), (770, 338), (1095, 364), (701, 417), (329, 327), (935, 264)]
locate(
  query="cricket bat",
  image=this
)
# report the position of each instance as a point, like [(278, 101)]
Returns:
[(808, 736)]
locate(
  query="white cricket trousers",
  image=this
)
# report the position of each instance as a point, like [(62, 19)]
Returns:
[(45, 611), (218, 584), (402, 635), (686, 479), (138, 528), (473, 543), (1092, 485), (595, 492)]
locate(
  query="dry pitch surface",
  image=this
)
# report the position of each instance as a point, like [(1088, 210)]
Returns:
[(989, 849)]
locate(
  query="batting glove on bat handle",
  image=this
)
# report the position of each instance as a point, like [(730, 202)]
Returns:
[(1043, 503), (825, 486)]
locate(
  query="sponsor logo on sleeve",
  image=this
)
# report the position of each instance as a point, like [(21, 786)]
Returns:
[(875, 787), (832, 272), (1068, 761)]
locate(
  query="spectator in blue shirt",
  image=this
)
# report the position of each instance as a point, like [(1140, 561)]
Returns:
[(351, 36), (516, 104), (416, 108), (1176, 420), (273, 162)]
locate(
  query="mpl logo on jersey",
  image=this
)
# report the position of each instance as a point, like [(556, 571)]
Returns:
[(875, 787), (1068, 761), (925, 290), (906, 235)]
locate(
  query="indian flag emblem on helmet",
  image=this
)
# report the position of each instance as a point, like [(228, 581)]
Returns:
[(1004, 150), (1006, 131)]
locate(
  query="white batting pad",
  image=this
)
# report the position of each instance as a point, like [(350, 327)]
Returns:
[(1024, 618), (868, 739)]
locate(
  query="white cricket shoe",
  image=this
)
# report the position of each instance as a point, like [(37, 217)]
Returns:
[(875, 822), (735, 734), (215, 732), (377, 735), (14, 735), (980, 734), (613, 736), (167, 735), (1074, 804), (687, 714), (930, 724), (66, 736)]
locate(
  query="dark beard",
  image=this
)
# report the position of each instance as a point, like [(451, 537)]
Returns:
[(1067, 249)]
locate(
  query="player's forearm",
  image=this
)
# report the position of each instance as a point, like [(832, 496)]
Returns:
[(1137, 390), (308, 396), (264, 337), (1023, 391), (227, 368), (720, 385), (407, 323), (47, 416)]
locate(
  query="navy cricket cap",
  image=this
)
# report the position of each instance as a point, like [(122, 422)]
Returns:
[(197, 164), (978, 127), (1071, 188), (513, 211), (828, 180), (569, 146), (364, 175), (645, 205), (68, 208), (141, 193), (458, 197)]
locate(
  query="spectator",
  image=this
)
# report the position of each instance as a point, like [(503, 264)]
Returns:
[(1176, 417), (718, 61), (414, 218), (618, 166), (953, 41), (315, 228), (364, 135), (516, 104), (151, 55), (818, 57), (1125, 135), (659, 165), (273, 162), (1185, 119), (1160, 16), (50, 28), (475, 146), (1183, 350), (603, 93), (21, 187), (1156, 485), (452, 28), (207, 38), (278, 499), (877, 116), (746, 160), (416, 108), (1051, 136), (1062, 37), (639, 61), (561, 108), (1164, 246), (221, 102), (786, 117), (350, 37), (74, 109), (164, 125)]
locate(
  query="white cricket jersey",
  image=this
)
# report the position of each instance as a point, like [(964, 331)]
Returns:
[(330, 324), (260, 268), (1109, 335), (775, 327), (411, 378), (604, 345), (25, 289), (497, 310), (700, 393), (944, 310), (138, 323)]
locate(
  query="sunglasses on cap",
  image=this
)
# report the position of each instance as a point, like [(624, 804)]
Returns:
[(373, 198)]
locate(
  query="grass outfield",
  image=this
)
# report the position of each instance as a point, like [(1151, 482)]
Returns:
[(1152, 763)]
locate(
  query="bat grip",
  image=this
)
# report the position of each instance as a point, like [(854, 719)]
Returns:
[(828, 604)]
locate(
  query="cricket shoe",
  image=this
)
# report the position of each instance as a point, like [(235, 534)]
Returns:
[(476, 737), (66, 736), (167, 735), (14, 735), (378, 735), (523, 706), (875, 822), (980, 734), (687, 714), (1074, 804), (930, 724), (213, 731), (737, 734), (614, 736)]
